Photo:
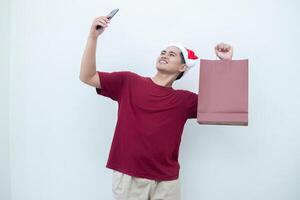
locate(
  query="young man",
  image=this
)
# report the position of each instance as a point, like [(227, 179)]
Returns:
[(151, 117)]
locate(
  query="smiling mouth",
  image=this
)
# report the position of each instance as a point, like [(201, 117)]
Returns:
[(163, 62)]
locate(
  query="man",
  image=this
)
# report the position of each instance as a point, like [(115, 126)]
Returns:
[(151, 117)]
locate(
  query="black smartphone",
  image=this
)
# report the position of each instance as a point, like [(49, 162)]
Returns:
[(109, 16)]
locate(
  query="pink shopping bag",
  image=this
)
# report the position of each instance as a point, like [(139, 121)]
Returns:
[(223, 92)]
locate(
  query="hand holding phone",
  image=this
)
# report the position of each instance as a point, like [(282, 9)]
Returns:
[(109, 16)]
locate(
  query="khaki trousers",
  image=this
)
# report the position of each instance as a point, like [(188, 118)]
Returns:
[(126, 187)]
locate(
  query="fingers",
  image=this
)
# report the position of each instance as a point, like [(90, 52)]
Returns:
[(223, 47), (224, 51), (103, 17), (102, 21)]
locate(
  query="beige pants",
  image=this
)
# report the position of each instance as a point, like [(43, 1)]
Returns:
[(126, 187)]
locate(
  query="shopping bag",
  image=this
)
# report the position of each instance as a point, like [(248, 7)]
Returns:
[(223, 92)]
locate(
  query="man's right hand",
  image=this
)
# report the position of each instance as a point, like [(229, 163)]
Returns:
[(103, 21)]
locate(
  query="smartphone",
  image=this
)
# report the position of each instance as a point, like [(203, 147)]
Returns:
[(109, 16)]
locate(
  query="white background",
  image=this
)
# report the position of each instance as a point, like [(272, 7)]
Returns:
[(56, 131)]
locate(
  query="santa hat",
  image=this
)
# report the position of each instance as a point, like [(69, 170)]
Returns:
[(189, 56)]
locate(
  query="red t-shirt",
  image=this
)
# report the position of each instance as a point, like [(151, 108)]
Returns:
[(150, 122)]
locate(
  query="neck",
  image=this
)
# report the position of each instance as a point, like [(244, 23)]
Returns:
[(163, 79)]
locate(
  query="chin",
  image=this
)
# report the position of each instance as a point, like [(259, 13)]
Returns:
[(161, 67)]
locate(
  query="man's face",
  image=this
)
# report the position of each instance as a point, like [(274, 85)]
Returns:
[(170, 61)]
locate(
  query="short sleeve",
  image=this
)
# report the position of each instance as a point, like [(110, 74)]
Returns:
[(191, 105), (112, 83)]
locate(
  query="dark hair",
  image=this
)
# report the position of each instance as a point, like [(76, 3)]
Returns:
[(182, 62)]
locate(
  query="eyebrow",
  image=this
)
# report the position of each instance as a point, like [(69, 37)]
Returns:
[(170, 51)]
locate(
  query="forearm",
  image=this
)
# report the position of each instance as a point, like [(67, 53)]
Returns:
[(88, 62)]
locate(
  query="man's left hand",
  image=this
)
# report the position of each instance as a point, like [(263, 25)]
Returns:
[(224, 51)]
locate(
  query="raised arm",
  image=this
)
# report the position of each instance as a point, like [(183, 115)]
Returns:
[(88, 72)]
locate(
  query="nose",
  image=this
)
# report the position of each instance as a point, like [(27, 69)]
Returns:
[(163, 56)]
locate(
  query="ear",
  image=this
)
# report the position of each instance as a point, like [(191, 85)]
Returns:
[(183, 67)]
